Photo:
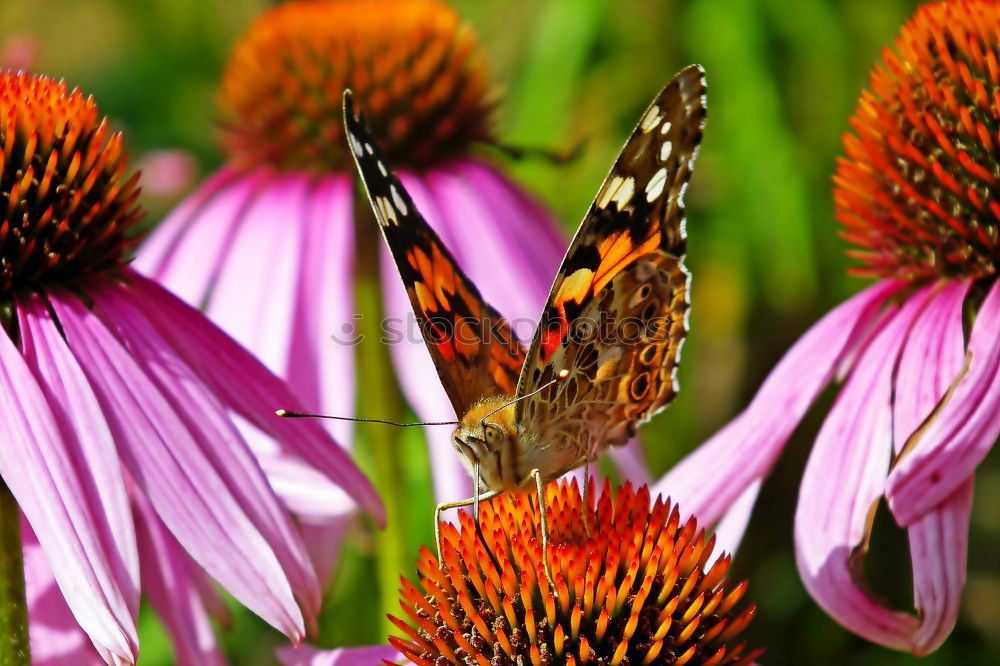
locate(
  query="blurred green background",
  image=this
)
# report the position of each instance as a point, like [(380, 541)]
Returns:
[(767, 261)]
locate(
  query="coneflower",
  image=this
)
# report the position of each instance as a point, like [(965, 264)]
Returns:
[(639, 589), (920, 404), (117, 439)]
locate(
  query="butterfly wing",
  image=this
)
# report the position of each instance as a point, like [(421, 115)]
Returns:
[(617, 313), (473, 347)]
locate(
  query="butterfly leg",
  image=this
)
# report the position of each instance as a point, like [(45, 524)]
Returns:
[(585, 508), (537, 475), (456, 505)]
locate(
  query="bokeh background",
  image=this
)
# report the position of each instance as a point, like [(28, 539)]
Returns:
[(764, 249)]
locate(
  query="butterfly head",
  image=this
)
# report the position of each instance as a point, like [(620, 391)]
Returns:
[(487, 437)]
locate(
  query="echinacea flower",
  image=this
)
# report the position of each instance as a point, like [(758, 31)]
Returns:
[(920, 404), (267, 248), (637, 590), (117, 439)]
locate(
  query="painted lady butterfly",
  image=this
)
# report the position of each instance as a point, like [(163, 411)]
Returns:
[(605, 354)]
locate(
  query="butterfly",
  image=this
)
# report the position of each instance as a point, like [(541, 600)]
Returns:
[(604, 356)]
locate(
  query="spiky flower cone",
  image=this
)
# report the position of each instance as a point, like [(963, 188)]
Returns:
[(918, 191), (413, 66), (66, 209), (634, 592)]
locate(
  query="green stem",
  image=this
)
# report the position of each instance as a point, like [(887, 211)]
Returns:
[(14, 649), (379, 398)]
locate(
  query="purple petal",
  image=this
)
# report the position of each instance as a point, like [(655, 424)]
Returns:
[(96, 459), (369, 655), (56, 638), (173, 591), (168, 450), (247, 388), (710, 479), (939, 543), (188, 248), (960, 435), (732, 526), (253, 295), (41, 461), (220, 442), (843, 481)]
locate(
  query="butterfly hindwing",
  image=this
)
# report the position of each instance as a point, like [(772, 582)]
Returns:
[(473, 347), (616, 316)]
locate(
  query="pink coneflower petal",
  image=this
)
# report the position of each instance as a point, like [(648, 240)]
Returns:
[(846, 472), (42, 469), (844, 478), (709, 480), (171, 585), (189, 246), (961, 433), (250, 391), (56, 637), (369, 655), (173, 461), (253, 296)]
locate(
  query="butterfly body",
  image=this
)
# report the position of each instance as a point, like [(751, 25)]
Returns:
[(604, 357)]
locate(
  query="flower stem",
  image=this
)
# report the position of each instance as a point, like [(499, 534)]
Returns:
[(14, 649), (380, 400)]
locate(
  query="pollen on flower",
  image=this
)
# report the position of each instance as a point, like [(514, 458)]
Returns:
[(415, 70), (66, 209), (918, 190), (635, 592)]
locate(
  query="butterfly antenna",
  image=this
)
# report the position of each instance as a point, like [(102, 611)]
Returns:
[(561, 375), (302, 415)]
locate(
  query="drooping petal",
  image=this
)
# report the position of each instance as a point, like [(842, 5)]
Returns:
[(253, 295), (932, 358), (961, 433), (40, 460), (320, 358), (246, 387), (843, 482), (731, 527), (710, 479), (369, 655), (171, 459), (218, 440), (56, 638), (187, 249), (172, 589), (96, 459)]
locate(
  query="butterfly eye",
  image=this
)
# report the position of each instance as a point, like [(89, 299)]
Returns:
[(493, 433)]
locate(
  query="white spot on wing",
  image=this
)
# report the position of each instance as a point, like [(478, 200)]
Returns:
[(665, 150), (654, 188), (666, 127), (381, 167), (398, 200), (617, 189), (369, 149), (387, 211), (651, 119), (624, 193), (355, 144)]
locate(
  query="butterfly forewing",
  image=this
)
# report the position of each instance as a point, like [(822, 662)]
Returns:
[(473, 347), (617, 313)]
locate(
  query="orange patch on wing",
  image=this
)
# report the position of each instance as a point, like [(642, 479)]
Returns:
[(620, 255)]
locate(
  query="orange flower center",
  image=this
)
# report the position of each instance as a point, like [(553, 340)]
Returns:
[(634, 592), (416, 71), (65, 209), (918, 190)]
